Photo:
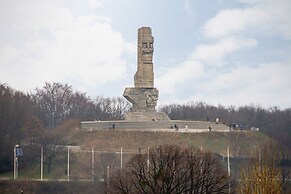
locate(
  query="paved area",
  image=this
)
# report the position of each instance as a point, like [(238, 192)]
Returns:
[(161, 126)]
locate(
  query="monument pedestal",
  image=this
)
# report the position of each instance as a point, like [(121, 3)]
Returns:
[(146, 116), (143, 102), (142, 99)]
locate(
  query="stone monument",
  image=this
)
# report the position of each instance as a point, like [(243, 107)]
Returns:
[(144, 95)]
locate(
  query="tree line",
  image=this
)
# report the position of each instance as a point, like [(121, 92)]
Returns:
[(29, 116), (273, 121)]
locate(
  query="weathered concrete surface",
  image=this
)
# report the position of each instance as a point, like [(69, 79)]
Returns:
[(144, 95), (146, 116), (144, 76), (142, 99)]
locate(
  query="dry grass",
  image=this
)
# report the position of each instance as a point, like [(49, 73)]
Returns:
[(132, 141)]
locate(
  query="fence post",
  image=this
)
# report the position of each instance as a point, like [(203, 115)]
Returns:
[(41, 163), (68, 166), (121, 158), (93, 165)]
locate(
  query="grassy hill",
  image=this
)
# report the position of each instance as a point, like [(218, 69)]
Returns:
[(131, 141), (107, 144)]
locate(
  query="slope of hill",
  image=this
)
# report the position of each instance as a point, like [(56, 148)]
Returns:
[(107, 145), (132, 141)]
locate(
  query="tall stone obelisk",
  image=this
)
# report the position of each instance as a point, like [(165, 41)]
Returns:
[(144, 77), (143, 95)]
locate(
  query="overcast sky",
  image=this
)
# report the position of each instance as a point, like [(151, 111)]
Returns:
[(228, 52)]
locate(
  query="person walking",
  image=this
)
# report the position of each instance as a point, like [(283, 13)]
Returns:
[(217, 120)]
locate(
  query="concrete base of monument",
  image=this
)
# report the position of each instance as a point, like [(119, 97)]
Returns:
[(146, 116), (155, 126)]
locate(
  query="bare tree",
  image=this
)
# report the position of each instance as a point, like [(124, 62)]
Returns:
[(119, 107), (53, 145), (56, 102), (33, 131), (171, 169), (52, 103)]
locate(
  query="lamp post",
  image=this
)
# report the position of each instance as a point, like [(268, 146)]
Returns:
[(15, 159)]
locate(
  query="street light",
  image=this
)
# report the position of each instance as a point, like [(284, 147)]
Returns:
[(15, 158), (17, 152)]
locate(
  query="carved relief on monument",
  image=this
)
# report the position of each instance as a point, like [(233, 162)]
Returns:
[(147, 51), (152, 98), (144, 77), (142, 99)]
